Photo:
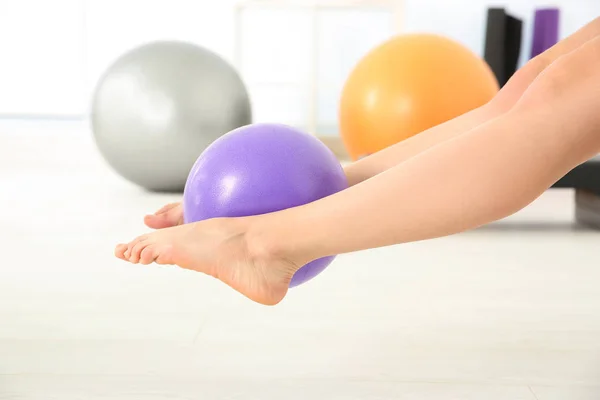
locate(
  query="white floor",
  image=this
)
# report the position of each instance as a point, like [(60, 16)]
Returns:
[(511, 311)]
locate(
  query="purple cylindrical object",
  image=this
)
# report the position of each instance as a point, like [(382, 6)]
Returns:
[(545, 31), (262, 168)]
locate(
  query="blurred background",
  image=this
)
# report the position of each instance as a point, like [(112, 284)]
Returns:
[(53, 53), (508, 311)]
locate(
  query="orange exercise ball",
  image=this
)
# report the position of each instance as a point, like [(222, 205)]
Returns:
[(406, 85)]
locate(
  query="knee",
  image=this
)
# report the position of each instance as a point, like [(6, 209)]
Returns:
[(512, 91)]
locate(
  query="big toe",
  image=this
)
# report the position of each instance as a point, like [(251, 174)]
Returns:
[(162, 221), (156, 221)]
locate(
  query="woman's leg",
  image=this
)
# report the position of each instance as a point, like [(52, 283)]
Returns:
[(481, 176), (501, 103), (368, 167)]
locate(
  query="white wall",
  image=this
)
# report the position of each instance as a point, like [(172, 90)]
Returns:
[(52, 52), (114, 26), (298, 77), (41, 57)]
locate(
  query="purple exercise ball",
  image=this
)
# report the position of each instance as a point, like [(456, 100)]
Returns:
[(262, 168)]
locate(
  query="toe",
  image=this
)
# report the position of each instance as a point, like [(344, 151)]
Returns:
[(156, 221), (136, 250), (168, 219), (164, 255), (167, 208), (133, 243), (165, 217), (120, 251), (148, 255), (175, 216)]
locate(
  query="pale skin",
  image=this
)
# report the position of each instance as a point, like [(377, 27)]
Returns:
[(172, 214), (475, 169)]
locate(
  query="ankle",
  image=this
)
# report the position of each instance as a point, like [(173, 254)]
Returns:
[(269, 238)]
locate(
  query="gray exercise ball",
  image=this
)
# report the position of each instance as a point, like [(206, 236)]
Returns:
[(159, 106)]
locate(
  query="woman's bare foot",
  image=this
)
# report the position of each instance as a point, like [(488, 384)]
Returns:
[(168, 216), (220, 248)]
